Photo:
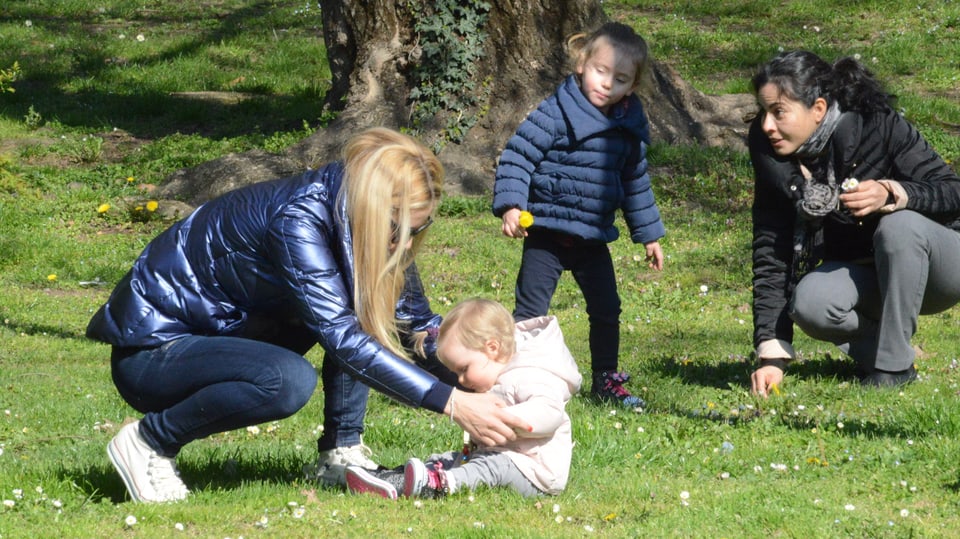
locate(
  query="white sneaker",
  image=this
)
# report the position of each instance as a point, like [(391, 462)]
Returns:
[(148, 476), (331, 465), (355, 455)]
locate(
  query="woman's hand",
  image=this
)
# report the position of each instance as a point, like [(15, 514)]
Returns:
[(765, 379), (483, 416), (868, 197), (511, 224)]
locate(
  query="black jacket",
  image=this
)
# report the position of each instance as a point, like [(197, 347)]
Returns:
[(880, 145)]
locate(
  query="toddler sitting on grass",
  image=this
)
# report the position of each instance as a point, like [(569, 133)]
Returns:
[(526, 364)]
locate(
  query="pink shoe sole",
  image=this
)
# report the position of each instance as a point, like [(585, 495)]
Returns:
[(360, 481)]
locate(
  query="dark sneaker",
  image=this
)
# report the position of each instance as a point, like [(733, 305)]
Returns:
[(889, 379), (423, 482), (384, 483), (608, 386)]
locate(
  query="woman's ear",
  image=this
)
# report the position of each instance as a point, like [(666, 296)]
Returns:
[(820, 108)]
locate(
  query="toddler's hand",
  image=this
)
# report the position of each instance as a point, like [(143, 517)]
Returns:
[(654, 255), (511, 224)]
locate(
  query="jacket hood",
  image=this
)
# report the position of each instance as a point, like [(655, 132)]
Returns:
[(540, 345)]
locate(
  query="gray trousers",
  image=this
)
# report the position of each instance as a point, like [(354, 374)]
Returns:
[(871, 311), (490, 468)]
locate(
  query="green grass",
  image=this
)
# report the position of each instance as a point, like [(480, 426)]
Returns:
[(822, 459)]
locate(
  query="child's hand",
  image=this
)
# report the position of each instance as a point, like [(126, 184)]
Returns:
[(654, 255), (511, 224)]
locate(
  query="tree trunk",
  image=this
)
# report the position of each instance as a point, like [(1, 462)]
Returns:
[(380, 50)]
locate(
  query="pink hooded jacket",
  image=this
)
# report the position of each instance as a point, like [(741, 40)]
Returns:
[(536, 385)]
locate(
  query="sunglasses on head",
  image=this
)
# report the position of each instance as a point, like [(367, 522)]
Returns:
[(413, 231)]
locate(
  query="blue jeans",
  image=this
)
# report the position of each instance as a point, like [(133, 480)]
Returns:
[(546, 255), (196, 386)]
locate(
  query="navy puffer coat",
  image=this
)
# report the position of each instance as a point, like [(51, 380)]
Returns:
[(255, 260), (572, 168)]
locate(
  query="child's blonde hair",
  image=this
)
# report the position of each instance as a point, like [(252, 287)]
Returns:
[(621, 37), (477, 321), (388, 175)]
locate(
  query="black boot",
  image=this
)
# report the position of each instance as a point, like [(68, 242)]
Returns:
[(879, 378)]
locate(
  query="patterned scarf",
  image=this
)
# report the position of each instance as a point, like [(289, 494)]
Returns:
[(819, 197)]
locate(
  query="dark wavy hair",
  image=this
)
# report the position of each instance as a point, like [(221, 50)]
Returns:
[(805, 77)]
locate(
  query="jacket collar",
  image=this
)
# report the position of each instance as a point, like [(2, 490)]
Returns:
[(585, 120)]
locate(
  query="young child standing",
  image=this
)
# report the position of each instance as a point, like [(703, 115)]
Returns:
[(526, 364), (574, 160)]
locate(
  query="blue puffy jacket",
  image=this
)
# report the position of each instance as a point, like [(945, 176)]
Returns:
[(572, 167), (256, 259)]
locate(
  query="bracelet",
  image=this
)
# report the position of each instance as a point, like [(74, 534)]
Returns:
[(452, 405), (774, 362)]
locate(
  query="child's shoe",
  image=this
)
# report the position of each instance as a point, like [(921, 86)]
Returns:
[(384, 483), (608, 386), (423, 482)]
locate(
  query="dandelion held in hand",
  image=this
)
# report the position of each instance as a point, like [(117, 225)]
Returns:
[(526, 219)]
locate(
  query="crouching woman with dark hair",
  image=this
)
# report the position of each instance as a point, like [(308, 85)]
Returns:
[(855, 220)]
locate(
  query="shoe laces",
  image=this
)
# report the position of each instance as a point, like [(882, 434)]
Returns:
[(436, 480), (357, 455), (611, 385), (164, 477)]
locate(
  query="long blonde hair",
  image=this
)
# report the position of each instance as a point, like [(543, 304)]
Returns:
[(478, 320), (387, 176)]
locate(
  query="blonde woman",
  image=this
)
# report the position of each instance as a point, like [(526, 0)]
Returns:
[(210, 326)]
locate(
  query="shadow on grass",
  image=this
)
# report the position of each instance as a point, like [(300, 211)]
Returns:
[(146, 112), (151, 115), (736, 371), (60, 332), (826, 370), (102, 483)]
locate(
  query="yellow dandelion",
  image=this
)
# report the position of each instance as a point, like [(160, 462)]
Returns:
[(152, 205), (775, 388), (52, 277), (526, 219), (129, 179), (103, 208), (138, 208), (610, 516)]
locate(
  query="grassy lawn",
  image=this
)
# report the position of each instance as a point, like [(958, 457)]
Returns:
[(113, 96)]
